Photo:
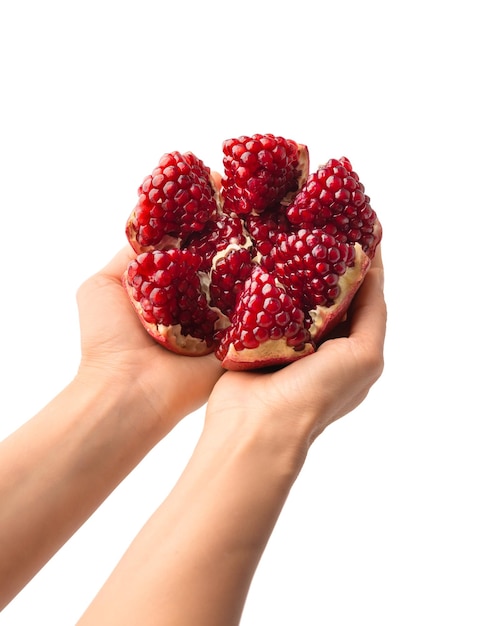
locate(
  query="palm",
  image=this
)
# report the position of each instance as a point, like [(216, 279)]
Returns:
[(253, 391)]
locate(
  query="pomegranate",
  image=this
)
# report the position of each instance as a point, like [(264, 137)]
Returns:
[(258, 267)]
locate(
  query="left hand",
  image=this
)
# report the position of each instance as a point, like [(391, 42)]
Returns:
[(293, 405)]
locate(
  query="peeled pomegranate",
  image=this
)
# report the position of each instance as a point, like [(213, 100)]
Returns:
[(258, 267)]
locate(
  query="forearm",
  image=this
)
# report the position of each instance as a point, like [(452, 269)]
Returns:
[(56, 470), (195, 558)]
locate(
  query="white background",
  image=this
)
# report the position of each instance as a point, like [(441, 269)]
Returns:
[(386, 523)]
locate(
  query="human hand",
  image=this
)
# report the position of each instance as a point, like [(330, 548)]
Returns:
[(129, 392), (300, 400), (115, 346), (256, 434)]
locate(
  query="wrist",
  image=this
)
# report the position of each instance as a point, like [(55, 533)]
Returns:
[(276, 446), (157, 386), (121, 401)]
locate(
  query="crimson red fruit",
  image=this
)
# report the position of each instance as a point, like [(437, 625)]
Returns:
[(258, 268)]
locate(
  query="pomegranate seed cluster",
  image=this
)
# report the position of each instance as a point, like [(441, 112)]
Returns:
[(176, 199), (258, 269), (333, 198), (265, 312), (260, 170), (309, 264), (228, 278), (167, 288)]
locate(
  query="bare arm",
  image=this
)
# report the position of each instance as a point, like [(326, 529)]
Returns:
[(194, 560), (57, 468)]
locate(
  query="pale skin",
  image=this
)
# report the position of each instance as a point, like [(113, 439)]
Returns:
[(195, 558)]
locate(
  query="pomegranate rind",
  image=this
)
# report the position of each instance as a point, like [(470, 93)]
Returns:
[(325, 319), (167, 242), (272, 352), (304, 168)]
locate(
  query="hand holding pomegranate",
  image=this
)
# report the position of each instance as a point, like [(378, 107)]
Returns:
[(206, 539), (296, 403), (116, 349), (250, 272)]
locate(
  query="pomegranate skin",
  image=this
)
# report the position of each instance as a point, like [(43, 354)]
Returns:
[(258, 267), (273, 353)]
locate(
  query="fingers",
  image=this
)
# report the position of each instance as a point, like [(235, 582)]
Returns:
[(377, 259), (369, 317), (369, 302), (110, 274)]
